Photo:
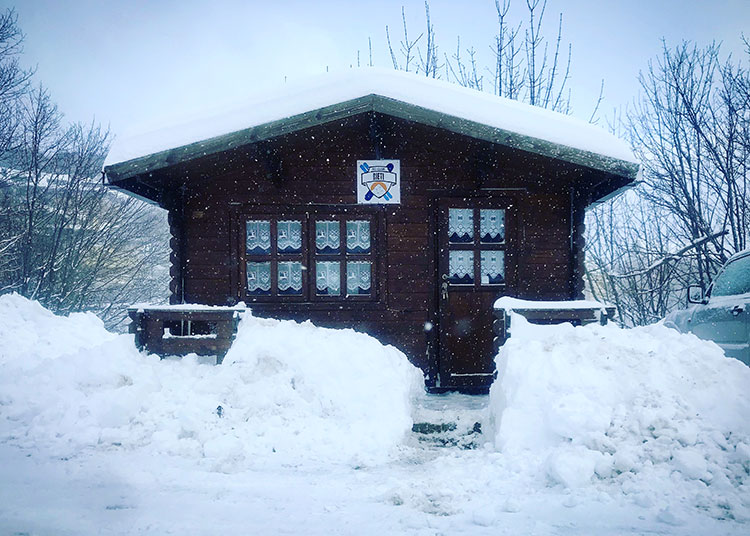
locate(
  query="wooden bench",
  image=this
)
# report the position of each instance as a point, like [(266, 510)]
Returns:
[(578, 313), (178, 330)]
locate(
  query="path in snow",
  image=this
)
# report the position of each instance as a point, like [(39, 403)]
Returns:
[(424, 490)]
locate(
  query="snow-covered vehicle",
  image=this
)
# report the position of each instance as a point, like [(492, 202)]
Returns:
[(723, 314)]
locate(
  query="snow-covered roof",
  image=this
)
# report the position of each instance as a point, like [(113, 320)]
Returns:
[(335, 95)]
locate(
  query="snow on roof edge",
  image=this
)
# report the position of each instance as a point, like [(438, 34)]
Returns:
[(334, 88)]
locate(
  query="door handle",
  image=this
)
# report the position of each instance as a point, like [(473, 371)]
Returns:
[(444, 290), (736, 310)]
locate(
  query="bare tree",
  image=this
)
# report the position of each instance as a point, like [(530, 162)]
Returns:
[(407, 49), (523, 68), (691, 131), (429, 62), (13, 79), (636, 259), (71, 243), (508, 79), (65, 239), (13, 84), (465, 74)]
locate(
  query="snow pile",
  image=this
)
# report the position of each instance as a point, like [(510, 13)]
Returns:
[(649, 411), (286, 393)]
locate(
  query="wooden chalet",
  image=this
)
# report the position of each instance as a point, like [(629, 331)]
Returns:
[(471, 197)]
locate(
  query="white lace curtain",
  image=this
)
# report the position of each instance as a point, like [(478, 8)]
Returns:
[(327, 236), (461, 224), (289, 235), (358, 236), (259, 277), (290, 277), (258, 235), (328, 278), (461, 266), (358, 278), (492, 267), (492, 225)]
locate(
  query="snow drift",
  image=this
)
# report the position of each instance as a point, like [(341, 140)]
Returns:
[(286, 393), (647, 410)]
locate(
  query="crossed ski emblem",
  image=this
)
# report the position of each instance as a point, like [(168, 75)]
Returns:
[(378, 180)]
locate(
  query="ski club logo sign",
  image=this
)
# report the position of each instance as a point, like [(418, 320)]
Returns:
[(378, 182)]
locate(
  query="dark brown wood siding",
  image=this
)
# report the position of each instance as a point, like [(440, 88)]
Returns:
[(315, 169)]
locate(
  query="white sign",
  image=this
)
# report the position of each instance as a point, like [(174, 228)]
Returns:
[(379, 182)]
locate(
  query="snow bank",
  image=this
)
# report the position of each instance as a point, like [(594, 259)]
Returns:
[(648, 410), (286, 393)]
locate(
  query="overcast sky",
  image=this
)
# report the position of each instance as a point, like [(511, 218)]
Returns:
[(137, 65)]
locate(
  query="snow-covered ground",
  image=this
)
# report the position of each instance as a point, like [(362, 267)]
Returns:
[(593, 430)]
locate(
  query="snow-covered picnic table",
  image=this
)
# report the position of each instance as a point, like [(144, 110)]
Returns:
[(577, 312), (184, 328)]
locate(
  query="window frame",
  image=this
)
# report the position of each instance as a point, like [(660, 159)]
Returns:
[(309, 256), (274, 256), (343, 256), (476, 245)]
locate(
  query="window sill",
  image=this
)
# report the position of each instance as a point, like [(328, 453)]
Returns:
[(330, 305)]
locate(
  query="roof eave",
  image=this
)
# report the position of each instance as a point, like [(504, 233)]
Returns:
[(224, 142), (368, 103), (505, 137)]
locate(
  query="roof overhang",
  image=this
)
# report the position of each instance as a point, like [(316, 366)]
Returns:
[(145, 165)]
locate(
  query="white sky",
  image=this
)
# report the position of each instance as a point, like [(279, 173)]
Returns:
[(139, 64)]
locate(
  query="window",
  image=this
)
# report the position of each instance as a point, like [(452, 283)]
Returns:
[(734, 279), (470, 241), (274, 257), (310, 257)]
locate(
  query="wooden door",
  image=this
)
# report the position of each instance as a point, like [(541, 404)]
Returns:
[(475, 267)]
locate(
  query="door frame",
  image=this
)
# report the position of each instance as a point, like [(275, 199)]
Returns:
[(509, 199)]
